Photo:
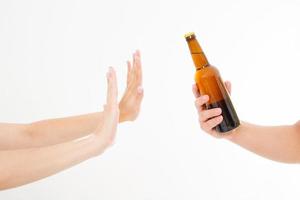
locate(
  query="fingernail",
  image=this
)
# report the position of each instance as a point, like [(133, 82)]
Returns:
[(138, 52), (219, 110), (140, 89), (220, 118), (108, 74)]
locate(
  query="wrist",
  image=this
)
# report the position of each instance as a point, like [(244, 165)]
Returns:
[(123, 117), (233, 136)]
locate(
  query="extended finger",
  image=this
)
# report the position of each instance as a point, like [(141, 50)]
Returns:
[(138, 68), (129, 68), (112, 88)]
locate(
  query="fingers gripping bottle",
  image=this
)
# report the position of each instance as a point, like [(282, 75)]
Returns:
[(209, 82)]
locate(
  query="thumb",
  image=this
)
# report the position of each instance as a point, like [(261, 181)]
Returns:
[(228, 86)]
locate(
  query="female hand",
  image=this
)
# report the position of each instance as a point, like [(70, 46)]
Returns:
[(105, 134), (130, 103)]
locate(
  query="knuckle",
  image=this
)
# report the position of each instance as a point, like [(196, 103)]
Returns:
[(205, 114)]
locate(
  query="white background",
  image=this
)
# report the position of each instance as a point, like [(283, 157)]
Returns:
[(53, 59)]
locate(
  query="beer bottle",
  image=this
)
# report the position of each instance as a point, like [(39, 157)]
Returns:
[(209, 82)]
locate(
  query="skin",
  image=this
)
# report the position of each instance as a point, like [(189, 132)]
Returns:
[(54, 131), (278, 143), (29, 152)]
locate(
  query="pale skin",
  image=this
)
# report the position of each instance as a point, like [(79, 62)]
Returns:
[(278, 143), (29, 152)]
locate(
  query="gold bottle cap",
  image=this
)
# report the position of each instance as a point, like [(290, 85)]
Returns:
[(189, 35)]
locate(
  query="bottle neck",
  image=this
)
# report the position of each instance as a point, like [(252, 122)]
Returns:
[(197, 53)]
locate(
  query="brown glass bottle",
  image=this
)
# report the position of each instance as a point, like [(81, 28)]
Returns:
[(209, 82)]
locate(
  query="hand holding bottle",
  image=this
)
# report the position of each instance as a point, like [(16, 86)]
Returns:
[(209, 82), (209, 119)]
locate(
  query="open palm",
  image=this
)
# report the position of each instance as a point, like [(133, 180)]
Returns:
[(130, 103)]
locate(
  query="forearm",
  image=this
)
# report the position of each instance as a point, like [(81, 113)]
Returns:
[(48, 132), (19, 167), (279, 143), (55, 131)]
